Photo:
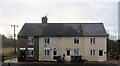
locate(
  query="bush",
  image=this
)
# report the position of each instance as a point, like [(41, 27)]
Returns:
[(59, 59), (77, 59)]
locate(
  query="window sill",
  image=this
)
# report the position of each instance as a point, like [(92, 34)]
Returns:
[(46, 55), (47, 43), (31, 56), (75, 44), (92, 55), (31, 44), (92, 43)]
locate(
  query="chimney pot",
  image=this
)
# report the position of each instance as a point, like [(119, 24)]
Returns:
[(44, 20)]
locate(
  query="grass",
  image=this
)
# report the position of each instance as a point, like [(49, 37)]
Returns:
[(8, 53), (10, 56)]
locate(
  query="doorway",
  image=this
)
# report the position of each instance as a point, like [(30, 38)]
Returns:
[(54, 54), (22, 55), (100, 57)]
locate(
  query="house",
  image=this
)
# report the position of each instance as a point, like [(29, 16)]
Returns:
[(43, 41)]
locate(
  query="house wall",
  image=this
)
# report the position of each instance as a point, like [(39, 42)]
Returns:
[(23, 43), (68, 43), (99, 45), (63, 43), (54, 43)]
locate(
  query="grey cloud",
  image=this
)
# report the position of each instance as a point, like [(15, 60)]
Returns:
[(21, 12)]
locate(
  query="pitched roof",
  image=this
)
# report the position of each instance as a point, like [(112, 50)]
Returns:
[(62, 29)]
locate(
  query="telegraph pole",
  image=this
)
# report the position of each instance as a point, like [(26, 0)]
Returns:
[(14, 37)]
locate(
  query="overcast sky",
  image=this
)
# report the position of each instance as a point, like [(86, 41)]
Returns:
[(73, 11)]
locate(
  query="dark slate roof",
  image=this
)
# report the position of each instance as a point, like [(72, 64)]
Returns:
[(63, 29)]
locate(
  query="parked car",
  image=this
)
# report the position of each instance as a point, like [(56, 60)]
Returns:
[(78, 59)]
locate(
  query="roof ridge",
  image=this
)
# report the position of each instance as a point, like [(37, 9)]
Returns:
[(67, 23)]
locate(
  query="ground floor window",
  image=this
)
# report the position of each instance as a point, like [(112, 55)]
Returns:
[(76, 52), (47, 52), (30, 52), (92, 52)]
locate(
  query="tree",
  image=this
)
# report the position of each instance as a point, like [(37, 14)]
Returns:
[(112, 48), (7, 42)]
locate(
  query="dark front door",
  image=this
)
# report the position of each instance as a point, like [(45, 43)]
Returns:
[(100, 57), (22, 55)]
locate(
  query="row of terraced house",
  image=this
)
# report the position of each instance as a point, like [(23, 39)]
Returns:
[(43, 41)]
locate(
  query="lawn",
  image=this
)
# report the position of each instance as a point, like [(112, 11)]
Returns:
[(8, 53), (10, 56)]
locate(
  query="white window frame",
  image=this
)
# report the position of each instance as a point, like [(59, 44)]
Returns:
[(76, 40), (92, 40), (47, 40), (92, 52), (76, 52), (22, 48), (30, 40), (29, 51), (47, 52), (53, 54)]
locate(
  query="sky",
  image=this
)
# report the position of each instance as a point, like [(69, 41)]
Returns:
[(18, 12)]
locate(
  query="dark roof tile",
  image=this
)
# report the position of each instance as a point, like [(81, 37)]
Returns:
[(62, 29)]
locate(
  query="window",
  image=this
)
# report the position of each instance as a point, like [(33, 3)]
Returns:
[(92, 52), (76, 40), (30, 40), (47, 40), (54, 52), (92, 40), (30, 52), (46, 52), (76, 52), (68, 52), (100, 52)]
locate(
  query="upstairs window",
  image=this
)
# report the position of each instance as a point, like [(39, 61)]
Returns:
[(76, 40), (47, 40), (30, 40), (92, 40)]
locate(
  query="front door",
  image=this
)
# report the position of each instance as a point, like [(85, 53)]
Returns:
[(68, 55), (54, 54), (100, 57), (22, 55)]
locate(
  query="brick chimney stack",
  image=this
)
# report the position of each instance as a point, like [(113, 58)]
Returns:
[(44, 20)]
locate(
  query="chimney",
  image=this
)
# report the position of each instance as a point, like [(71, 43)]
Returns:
[(44, 20)]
